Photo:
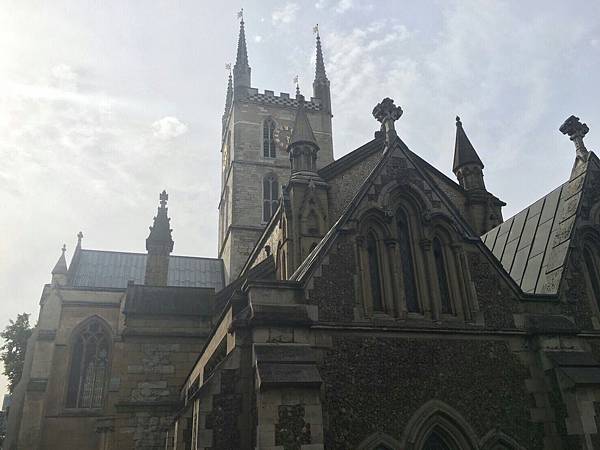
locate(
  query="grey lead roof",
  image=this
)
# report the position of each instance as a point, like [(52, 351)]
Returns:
[(532, 245), (105, 269)]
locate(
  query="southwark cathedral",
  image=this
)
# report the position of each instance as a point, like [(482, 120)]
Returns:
[(368, 302)]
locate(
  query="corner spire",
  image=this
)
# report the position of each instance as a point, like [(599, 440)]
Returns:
[(159, 245), (60, 268), (241, 70), (320, 65), (228, 98), (59, 273), (464, 152), (321, 83)]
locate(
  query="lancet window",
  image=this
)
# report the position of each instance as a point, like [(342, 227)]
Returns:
[(441, 269), (406, 261), (375, 275), (270, 196), (269, 138), (89, 367)]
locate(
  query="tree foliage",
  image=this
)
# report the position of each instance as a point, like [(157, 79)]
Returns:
[(15, 337)]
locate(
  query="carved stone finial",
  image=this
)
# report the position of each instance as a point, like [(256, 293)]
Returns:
[(64, 248), (79, 238), (164, 197), (576, 132), (387, 113)]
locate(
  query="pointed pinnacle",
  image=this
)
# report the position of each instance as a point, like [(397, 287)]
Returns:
[(320, 65), (242, 51)]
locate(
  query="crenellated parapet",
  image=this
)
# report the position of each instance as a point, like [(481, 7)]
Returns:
[(283, 99)]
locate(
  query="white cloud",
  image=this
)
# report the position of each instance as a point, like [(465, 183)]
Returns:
[(258, 38), (168, 128), (286, 14), (343, 6), (64, 77)]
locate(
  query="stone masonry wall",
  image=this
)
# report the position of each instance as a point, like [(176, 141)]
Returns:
[(376, 384)]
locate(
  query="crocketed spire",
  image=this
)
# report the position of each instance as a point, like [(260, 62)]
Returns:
[(321, 83), (464, 153), (228, 99), (159, 245), (241, 70), (320, 65), (242, 51), (160, 233)]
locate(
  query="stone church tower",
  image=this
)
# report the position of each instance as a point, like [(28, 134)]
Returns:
[(255, 164)]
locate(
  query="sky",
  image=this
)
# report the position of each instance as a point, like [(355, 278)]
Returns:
[(105, 104)]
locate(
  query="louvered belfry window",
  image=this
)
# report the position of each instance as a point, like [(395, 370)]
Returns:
[(89, 367), (269, 139), (270, 197)]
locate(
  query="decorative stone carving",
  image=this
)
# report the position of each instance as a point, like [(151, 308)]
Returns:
[(576, 132), (387, 113), (282, 137)]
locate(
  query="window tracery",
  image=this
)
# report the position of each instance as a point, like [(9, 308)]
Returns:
[(406, 261), (270, 196), (442, 276), (269, 139), (89, 367)]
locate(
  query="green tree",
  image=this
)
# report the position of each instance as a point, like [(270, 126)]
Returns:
[(15, 337)]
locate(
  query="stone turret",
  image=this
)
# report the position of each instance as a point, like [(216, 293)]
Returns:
[(484, 209), (159, 245), (59, 273), (467, 166), (306, 193), (241, 71)]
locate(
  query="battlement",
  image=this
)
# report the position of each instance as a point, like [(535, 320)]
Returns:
[(283, 99)]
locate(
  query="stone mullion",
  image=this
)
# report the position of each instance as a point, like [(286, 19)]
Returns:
[(364, 270), (432, 306), (458, 281), (390, 281), (470, 296)]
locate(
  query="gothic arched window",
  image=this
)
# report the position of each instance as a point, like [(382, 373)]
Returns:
[(89, 367), (406, 262), (592, 270), (435, 441), (374, 272), (269, 139), (270, 196), (442, 277)]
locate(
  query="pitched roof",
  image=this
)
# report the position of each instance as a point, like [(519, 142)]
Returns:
[(464, 152), (340, 165), (163, 300), (532, 245), (106, 269)]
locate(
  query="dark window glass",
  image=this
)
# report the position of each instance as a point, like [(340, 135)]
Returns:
[(436, 442), (89, 368), (269, 139), (593, 273), (270, 197), (440, 268), (406, 262), (374, 272)]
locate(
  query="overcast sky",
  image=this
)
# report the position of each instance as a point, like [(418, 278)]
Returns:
[(104, 104)]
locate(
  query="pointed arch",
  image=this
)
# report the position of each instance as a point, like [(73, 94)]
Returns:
[(270, 187), (268, 133), (90, 350), (379, 441), (437, 424), (497, 440)]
